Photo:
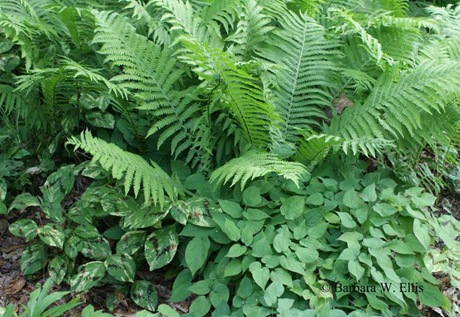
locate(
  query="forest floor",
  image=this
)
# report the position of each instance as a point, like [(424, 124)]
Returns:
[(15, 288)]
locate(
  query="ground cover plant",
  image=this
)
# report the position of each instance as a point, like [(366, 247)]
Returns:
[(266, 157)]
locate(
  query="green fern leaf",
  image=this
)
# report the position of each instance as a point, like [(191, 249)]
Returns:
[(236, 88), (306, 75), (135, 170), (253, 164)]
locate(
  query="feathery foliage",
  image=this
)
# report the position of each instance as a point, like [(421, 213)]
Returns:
[(253, 164), (133, 168)]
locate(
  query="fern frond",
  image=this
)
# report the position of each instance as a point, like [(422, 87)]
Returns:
[(236, 88), (306, 73), (400, 103), (251, 30), (151, 73), (448, 17), (133, 168), (352, 27), (182, 18), (223, 12), (253, 164)]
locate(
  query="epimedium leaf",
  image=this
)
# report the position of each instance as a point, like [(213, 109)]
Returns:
[(161, 246), (306, 255), (293, 207), (316, 199), (121, 267), (144, 294), (200, 306), (356, 269), (181, 285), (245, 288), (219, 295), (201, 287), (346, 220), (351, 199), (422, 233), (196, 253), (52, 235), (251, 196), (260, 274), (233, 268), (272, 292), (24, 228), (431, 296), (89, 276), (231, 208), (281, 242), (369, 194), (236, 250), (101, 120)]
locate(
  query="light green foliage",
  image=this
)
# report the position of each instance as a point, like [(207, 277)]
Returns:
[(133, 168), (294, 101)]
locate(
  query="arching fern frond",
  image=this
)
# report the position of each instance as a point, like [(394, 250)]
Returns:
[(253, 164), (151, 73), (235, 88), (306, 73), (251, 30), (400, 102), (133, 168)]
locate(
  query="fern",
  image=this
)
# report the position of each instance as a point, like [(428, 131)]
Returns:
[(151, 74), (235, 88), (133, 168), (251, 30), (253, 164), (307, 70), (400, 103)]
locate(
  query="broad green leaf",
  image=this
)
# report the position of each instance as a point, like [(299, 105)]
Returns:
[(52, 235), (282, 276), (89, 275), (196, 253), (293, 207), (316, 199), (72, 246), (33, 259), (351, 199), (231, 208), (384, 210), (114, 233), (57, 268), (3, 210), (369, 194), (144, 294), (181, 285), (200, 306), (346, 220), (236, 250), (356, 269), (259, 274), (431, 296), (87, 231), (245, 288), (233, 268), (219, 295), (98, 249), (23, 201), (201, 287), (231, 230), (131, 242), (24, 228), (251, 196), (167, 311), (306, 255), (121, 267), (272, 292), (422, 233), (290, 263), (101, 120), (281, 242), (161, 246), (255, 214)]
